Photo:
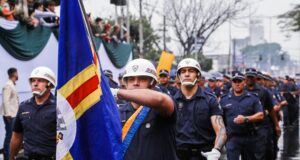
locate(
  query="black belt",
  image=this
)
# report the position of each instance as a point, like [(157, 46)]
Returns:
[(245, 134), (195, 149), (40, 157)]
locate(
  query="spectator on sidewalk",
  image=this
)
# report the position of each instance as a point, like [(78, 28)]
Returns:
[(10, 105)]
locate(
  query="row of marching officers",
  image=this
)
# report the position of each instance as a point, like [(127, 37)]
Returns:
[(193, 123)]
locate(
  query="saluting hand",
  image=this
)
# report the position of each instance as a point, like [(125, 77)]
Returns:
[(240, 119)]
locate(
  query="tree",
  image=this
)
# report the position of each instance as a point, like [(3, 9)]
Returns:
[(199, 19), (291, 19), (151, 51)]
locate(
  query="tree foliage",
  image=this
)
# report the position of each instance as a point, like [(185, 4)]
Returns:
[(291, 19), (199, 18), (151, 51)]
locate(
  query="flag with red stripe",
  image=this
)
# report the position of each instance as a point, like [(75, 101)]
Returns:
[(88, 125)]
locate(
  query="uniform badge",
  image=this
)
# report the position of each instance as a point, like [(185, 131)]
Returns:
[(180, 105)]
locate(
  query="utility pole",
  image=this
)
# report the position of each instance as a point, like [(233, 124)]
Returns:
[(122, 21), (141, 30), (128, 21), (164, 33), (116, 12), (234, 56), (229, 51)]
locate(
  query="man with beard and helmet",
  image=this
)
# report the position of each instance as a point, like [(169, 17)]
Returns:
[(265, 127), (35, 123), (149, 117), (200, 130)]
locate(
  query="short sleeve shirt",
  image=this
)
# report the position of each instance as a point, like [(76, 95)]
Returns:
[(193, 126), (266, 100), (246, 105), (38, 125)]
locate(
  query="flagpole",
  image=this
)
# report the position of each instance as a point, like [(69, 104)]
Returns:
[(87, 27)]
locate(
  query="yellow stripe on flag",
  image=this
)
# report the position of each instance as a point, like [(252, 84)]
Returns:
[(87, 103), (165, 61), (77, 80), (68, 156)]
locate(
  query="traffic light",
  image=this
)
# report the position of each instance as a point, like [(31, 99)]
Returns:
[(260, 57), (118, 2), (282, 57)]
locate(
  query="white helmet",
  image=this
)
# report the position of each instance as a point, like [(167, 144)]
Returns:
[(140, 67), (188, 62), (44, 73)]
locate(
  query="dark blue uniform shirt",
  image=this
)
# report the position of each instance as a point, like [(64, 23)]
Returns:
[(38, 125), (224, 91), (216, 91), (169, 90), (155, 138), (266, 100), (277, 95), (193, 127), (246, 105), (287, 89), (272, 94), (172, 90), (164, 89)]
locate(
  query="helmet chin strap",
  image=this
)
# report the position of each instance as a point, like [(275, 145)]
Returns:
[(188, 84), (39, 94)]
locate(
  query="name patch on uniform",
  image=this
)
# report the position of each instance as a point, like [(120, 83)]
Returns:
[(228, 105), (23, 113)]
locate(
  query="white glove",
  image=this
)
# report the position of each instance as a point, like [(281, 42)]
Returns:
[(214, 154), (114, 92)]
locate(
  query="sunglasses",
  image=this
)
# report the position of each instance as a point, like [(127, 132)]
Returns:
[(237, 81)]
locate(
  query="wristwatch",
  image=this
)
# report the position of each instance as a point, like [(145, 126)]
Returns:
[(246, 120)]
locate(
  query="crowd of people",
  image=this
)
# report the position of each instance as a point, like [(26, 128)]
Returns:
[(181, 115), (200, 115), (42, 13), (31, 12), (108, 32)]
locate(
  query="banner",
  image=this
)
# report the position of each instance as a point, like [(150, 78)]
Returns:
[(165, 61)]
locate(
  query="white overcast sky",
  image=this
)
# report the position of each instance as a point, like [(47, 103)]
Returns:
[(267, 10)]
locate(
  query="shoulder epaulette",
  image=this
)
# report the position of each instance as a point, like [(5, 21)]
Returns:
[(252, 94), (25, 102), (224, 95), (210, 94)]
